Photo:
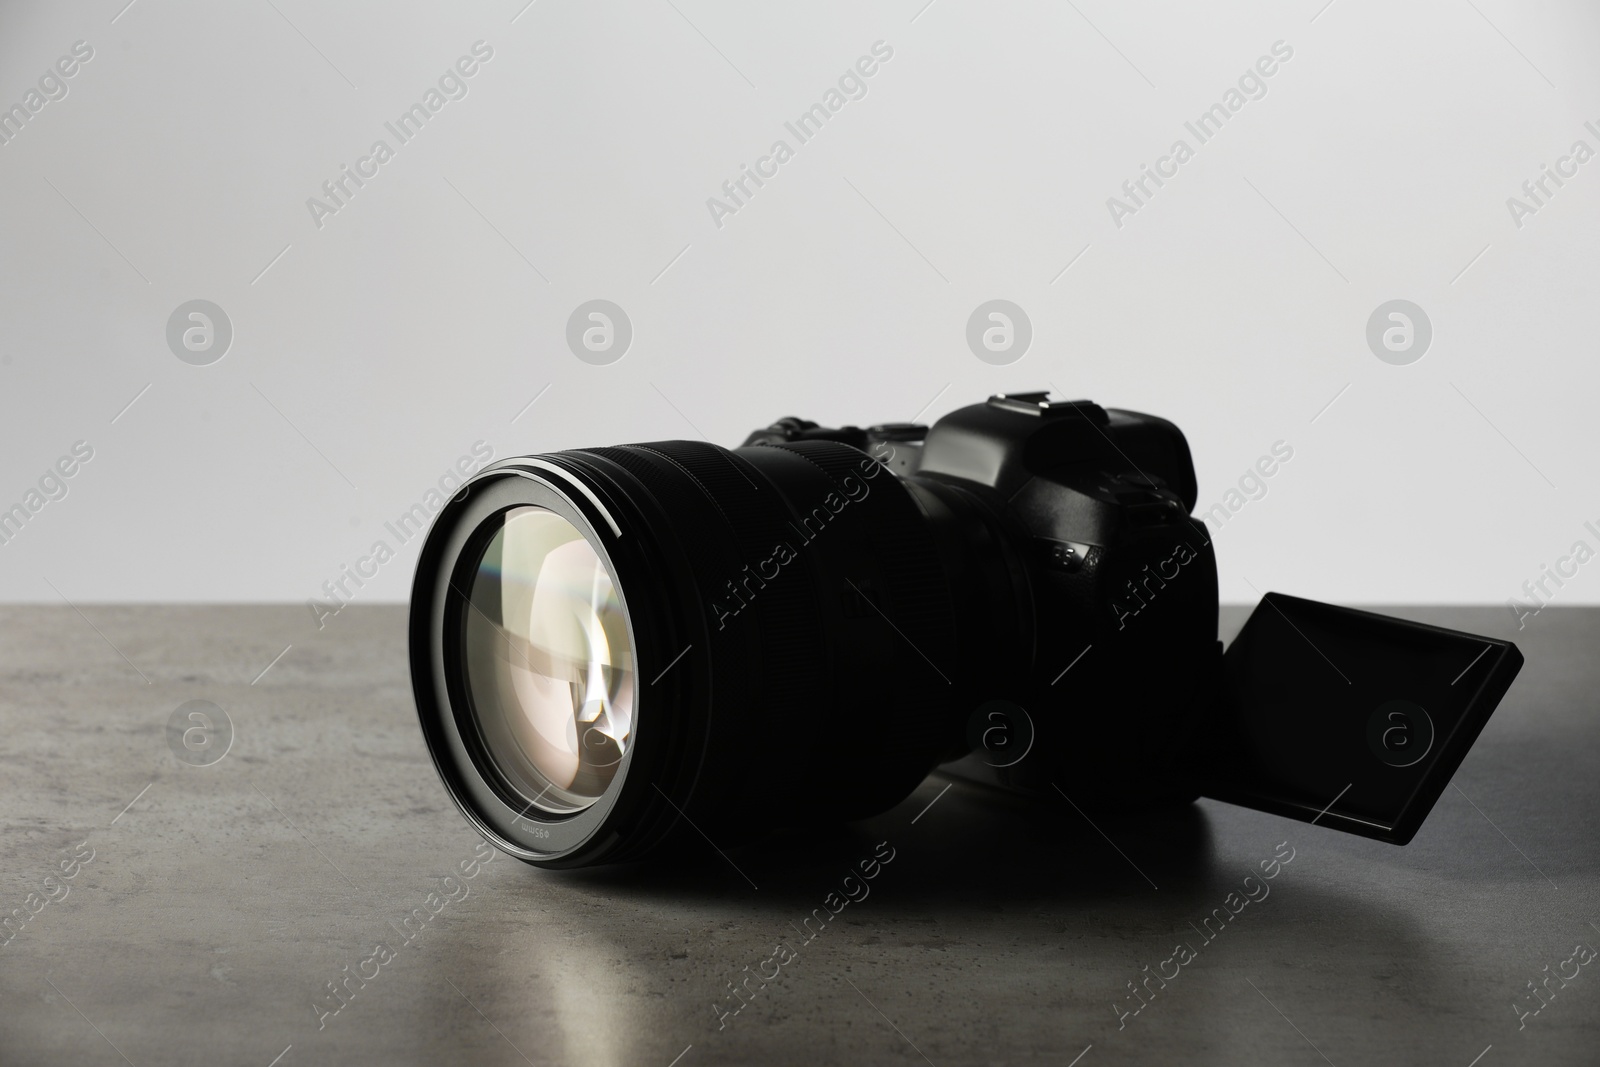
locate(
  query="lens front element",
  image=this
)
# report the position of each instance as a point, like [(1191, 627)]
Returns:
[(549, 661)]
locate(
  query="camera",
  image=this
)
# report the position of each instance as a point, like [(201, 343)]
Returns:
[(633, 650)]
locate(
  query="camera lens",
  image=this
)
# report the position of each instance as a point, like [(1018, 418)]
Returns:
[(549, 660), (624, 650)]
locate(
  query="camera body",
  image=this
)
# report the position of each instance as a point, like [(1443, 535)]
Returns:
[(1088, 587)]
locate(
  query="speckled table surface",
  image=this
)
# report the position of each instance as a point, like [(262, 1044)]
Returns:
[(161, 912)]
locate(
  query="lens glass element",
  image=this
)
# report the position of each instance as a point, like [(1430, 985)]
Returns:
[(550, 665)]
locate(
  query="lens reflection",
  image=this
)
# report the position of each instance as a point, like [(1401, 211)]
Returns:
[(549, 663)]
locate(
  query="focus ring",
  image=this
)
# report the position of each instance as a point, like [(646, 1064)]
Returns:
[(763, 639)]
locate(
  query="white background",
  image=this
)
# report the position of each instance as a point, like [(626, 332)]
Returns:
[(379, 347)]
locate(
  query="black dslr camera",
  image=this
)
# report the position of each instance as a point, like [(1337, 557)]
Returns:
[(619, 650)]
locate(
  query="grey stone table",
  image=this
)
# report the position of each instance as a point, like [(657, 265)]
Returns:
[(198, 914)]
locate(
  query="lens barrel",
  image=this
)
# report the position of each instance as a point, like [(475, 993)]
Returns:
[(799, 655)]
